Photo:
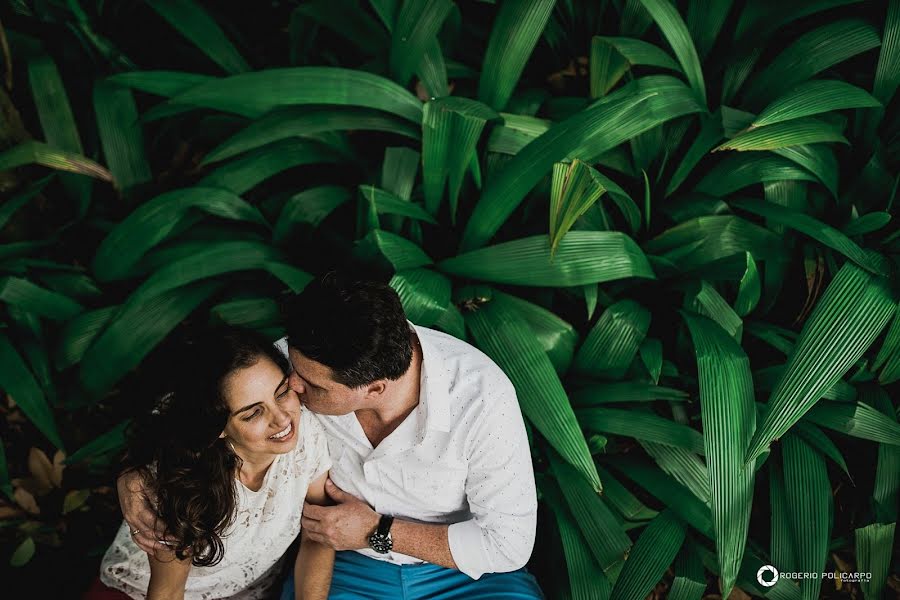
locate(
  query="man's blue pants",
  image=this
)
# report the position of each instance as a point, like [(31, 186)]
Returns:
[(358, 577)]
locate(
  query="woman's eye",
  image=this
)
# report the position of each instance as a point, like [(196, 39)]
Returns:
[(253, 415)]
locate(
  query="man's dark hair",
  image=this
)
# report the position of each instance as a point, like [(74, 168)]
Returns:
[(357, 328)]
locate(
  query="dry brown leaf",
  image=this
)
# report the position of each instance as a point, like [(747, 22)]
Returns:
[(41, 469), (26, 500), (58, 467), (9, 512), (737, 593)]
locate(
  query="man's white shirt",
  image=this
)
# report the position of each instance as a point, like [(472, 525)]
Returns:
[(460, 457)]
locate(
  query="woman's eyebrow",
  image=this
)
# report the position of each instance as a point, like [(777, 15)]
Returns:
[(248, 407)]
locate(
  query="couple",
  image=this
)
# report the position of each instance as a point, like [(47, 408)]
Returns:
[(403, 447)]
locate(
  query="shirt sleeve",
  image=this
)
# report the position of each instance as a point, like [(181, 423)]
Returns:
[(499, 487)]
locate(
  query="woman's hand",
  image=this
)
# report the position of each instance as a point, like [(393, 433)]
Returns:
[(147, 530)]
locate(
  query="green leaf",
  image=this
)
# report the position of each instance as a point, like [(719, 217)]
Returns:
[(613, 342), (612, 57), (874, 546), (813, 98), (604, 535), (887, 72), (52, 104), (418, 22), (625, 391), (79, 333), (686, 467), (781, 135), (451, 127), (254, 94), (398, 251), (106, 443), (814, 436), (574, 189), (515, 32), (556, 337), (690, 580), (867, 223), (310, 206), (424, 294), (818, 160), (857, 419), (621, 499), (502, 334), (705, 300), (888, 357), (738, 171), (846, 320), (255, 313), (24, 294), (582, 257), (711, 132), (781, 542), (194, 23), (749, 289), (729, 419), (244, 173), (819, 231), (39, 153), (135, 331), (810, 508), (155, 220), (516, 132), (651, 555), (398, 171), (23, 553), (18, 382), (641, 425), (810, 54), (676, 33), (704, 22), (887, 469), (120, 134), (161, 83), (389, 204), (304, 121)]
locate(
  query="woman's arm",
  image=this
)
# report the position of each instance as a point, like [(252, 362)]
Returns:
[(315, 561), (168, 576)]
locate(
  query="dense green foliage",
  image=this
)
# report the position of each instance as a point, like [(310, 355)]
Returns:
[(669, 222)]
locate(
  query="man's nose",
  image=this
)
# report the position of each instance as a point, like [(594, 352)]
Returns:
[(296, 383)]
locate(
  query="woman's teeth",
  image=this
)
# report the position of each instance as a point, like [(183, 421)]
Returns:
[(282, 433)]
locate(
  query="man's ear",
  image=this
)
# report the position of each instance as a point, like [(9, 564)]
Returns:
[(376, 388)]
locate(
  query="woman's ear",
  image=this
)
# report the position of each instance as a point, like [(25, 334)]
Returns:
[(222, 435)]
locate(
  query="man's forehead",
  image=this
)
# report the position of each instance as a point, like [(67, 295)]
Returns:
[(305, 365)]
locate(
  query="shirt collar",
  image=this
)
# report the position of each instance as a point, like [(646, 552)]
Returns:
[(434, 386)]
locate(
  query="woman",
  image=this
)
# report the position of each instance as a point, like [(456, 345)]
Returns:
[(230, 456)]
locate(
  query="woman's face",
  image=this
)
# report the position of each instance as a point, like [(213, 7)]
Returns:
[(265, 411)]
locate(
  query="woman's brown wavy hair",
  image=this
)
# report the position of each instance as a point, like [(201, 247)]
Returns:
[(177, 449)]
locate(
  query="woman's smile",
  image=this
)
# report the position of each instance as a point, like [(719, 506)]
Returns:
[(285, 435)]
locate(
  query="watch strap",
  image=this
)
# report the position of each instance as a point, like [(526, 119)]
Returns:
[(384, 525)]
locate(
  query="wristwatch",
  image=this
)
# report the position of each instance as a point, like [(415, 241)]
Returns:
[(381, 541)]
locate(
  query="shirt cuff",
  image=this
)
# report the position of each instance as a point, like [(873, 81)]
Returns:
[(465, 540)]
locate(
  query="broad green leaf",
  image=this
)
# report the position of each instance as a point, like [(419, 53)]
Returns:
[(19, 383), (651, 555), (645, 426), (218, 258), (851, 313), (557, 337), (621, 499), (813, 98), (387, 203), (676, 33), (424, 294), (748, 290), (810, 54), (79, 333), (767, 378), (705, 300), (39, 153), (255, 313), (795, 132), (729, 420), (574, 189), (582, 257), (814, 436), (516, 132), (451, 127), (502, 334), (155, 220), (194, 23), (738, 171), (161, 83), (9, 207), (612, 57), (451, 321), (23, 553), (888, 357), (254, 94), (625, 391), (417, 23), (810, 508), (887, 470), (310, 206), (586, 579), (106, 443), (399, 252), (651, 352), (135, 331), (52, 104), (398, 171), (684, 466), (887, 72), (857, 419), (818, 159), (244, 173), (711, 132), (819, 231), (874, 546), (602, 531), (690, 580), (867, 223), (301, 121), (704, 22), (515, 32), (349, 20), (26, 295), (781, 539), (120, 134), (613, 342)]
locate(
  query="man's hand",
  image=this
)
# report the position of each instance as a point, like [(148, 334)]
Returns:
[(137, 508), (345, 526)]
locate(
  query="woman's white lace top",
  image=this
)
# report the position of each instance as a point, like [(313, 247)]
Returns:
[(266, 523)]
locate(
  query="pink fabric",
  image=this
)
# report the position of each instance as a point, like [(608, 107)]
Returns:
[(98, 591)]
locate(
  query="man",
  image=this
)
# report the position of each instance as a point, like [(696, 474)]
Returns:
[(432, 478)]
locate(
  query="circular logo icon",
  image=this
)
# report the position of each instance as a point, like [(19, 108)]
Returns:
[(763, 579)]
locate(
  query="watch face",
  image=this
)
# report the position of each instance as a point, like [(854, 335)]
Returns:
[(380, 543)]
